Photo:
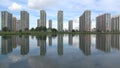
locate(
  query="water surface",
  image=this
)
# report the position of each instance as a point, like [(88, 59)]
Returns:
[(60, 51)]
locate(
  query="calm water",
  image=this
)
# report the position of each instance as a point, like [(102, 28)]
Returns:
[(60, 51)]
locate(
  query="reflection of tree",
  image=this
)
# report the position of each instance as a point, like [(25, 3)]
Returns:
[(103, 42), (60, 44), (54, 35), (20, 36), (6, 37), (32, 36), (14, 42), (85, 43), (42, 37), (41, 41)]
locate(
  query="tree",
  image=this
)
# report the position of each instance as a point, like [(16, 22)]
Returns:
[(42, 28), (5, 29), (73, 30), (26, 29), (20, 30), (98, 30), (37, 28), (32, 29), (54, 30)]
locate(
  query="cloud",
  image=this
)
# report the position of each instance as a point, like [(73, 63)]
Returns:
[(65, 25), (72, 9), (76, 23), (14, 58), (40, 4), (15, 6), (5, 3), (33, 21)]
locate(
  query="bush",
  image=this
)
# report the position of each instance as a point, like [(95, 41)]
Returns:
[(5, 29)]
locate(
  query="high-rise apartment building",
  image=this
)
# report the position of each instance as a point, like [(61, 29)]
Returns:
[(6, 20), (14, 24), (115, 24), (50, 23), (70, 27), (103, 22), (38, 23), (43, 18), (24, 20), (18, 25), (85, 21), (60, 20)]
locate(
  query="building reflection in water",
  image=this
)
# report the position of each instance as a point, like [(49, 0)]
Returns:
[(103, 42), (41, 42), (85, 44), (115, 41), (24, 44), (60, 44), (50, 40), (6, 45), (14, 41), (70, 39)]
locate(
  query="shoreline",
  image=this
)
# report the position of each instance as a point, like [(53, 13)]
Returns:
[(47, 33)]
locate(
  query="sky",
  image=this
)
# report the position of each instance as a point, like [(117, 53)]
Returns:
[(72, 9)]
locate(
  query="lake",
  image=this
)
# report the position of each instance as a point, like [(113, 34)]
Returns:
[(60, 51)]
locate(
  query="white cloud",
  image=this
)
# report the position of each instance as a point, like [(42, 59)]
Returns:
[(76, 23), (15, 6), (65, 25), (5, 2), (73, 9), (33, 21), (14, 58), (54, 24), (40, 4)]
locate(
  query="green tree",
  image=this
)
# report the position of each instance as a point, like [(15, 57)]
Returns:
[(98, 30), (42, 28), (37, 29), (20, 30), (32, 29), (54, 30), (5, 29), (26, 29), (73, 30)]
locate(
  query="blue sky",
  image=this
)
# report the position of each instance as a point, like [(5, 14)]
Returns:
[(72, 9)]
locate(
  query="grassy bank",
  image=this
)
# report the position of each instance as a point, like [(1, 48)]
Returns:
[(46, 33)]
